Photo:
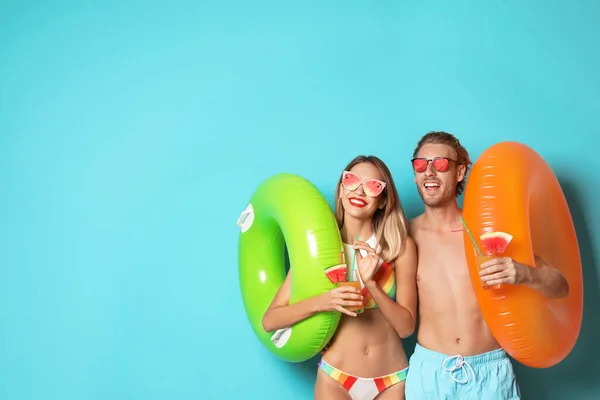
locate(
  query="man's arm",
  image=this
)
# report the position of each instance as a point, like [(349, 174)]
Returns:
[(543, 278), (546, 280)]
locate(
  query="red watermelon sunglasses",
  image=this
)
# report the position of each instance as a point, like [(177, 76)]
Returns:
[(372, 187), (440, 164)]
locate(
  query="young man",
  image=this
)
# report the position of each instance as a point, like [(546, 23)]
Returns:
[(456, 356)]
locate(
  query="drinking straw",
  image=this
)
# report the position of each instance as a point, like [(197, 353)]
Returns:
[(471, 236), (353, 264)]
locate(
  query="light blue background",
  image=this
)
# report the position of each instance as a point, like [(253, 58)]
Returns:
[(133, 133)]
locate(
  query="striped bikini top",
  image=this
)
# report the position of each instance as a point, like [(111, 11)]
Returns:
[(384, 275)]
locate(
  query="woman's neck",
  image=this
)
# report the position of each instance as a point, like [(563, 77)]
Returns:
[(354, 227)]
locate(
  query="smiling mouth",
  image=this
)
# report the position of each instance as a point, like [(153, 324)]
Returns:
[(431, 186), (356, 202)]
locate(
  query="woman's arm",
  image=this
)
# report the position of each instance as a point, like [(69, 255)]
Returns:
[(281, 314), (401, 314)]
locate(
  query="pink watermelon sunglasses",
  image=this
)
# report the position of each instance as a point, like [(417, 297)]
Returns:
[(372, 187)]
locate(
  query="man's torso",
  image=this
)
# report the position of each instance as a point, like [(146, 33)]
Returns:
[(450, 320)]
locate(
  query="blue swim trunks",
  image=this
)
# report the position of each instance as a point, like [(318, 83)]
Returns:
[(487, 376)]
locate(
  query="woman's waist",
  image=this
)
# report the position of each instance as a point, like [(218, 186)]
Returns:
[(369, 356), (366, 365)]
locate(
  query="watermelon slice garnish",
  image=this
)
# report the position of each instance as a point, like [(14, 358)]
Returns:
[(336, 273), (496, 242)]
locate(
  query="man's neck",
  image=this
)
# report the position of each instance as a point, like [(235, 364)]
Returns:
[(353, 227), (445, 218)]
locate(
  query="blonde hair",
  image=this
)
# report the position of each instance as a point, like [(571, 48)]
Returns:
[(389, 222)]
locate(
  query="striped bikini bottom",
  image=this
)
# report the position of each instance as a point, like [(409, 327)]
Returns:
[(363, 388)]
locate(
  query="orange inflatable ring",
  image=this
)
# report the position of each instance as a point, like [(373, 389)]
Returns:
[(512, 189)]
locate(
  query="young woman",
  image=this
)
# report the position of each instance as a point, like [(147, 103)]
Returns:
[(366, 358)]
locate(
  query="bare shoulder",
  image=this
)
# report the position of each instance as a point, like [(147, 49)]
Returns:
[(416, 224), (409, 251), (416, 220), (406, 262), (416, 228)]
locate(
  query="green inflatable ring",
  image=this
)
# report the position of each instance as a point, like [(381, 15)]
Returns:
[(288, 211)]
